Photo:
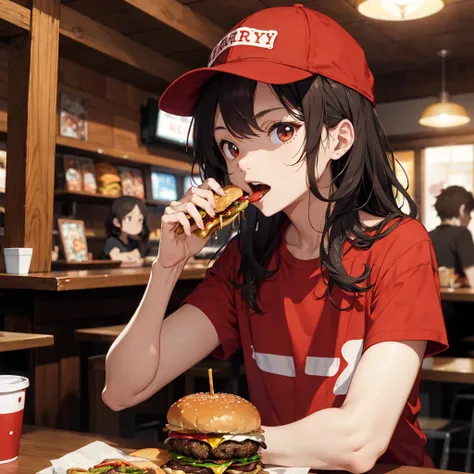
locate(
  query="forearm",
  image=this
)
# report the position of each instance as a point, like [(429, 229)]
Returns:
[(137, 346), (331, 439)]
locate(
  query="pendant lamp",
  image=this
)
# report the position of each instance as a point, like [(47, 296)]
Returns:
[(399, 10), (444, 113)]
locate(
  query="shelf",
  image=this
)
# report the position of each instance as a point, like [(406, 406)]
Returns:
[(122, 156), (88, 197)]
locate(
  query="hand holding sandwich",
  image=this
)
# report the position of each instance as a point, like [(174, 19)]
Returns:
[(181, 218)]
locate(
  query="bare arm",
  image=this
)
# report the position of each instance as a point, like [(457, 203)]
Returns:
[(150, 353), (354, 436)]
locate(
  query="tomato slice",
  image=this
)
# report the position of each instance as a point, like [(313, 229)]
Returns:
[(114, 463), (174, 434)]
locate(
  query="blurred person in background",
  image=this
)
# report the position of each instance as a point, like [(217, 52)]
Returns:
[(452, 240), (454, 249)]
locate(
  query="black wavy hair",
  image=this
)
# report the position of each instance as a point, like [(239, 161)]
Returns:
[(364, 178), (119, 209)]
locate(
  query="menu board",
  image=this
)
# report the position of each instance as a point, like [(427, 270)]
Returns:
[(173, 128), (163, 187)]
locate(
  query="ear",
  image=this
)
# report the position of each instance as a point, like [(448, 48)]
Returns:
[(342, 138), (116, 223), (462, 210)]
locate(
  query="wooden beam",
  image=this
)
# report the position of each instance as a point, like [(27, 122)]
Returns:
[(31, 140), (183, 19), (88, 32), (15, 14)]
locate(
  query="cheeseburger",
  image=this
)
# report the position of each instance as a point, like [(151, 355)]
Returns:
[(213, 434), (227, 209)]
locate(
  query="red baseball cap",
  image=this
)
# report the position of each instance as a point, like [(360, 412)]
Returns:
[(278, 45)]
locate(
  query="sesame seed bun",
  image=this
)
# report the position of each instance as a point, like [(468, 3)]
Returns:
[(223, 413)]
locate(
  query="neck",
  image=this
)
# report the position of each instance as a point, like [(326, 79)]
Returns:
[(124, 236), (454, 221), (307, 216)]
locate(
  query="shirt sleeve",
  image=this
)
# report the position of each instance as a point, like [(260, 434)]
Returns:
[(465, 249), (215, 297), (406, 302), (109, 245)]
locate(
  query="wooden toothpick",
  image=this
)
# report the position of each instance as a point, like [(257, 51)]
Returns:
[(211, 383)]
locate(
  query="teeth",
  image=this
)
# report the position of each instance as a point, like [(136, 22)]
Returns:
[(256, 183)]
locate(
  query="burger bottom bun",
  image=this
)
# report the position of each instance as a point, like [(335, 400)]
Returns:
[(258, 470), (158, 456)]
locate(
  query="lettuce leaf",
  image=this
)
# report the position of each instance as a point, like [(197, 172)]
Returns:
[(211, 462)]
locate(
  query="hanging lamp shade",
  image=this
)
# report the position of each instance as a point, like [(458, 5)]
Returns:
[(444, 114), (399, 10)]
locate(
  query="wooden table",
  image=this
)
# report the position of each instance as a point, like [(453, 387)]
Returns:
[(40, 445), (106, 334), (458, 294), (449, 369), (14, 341)]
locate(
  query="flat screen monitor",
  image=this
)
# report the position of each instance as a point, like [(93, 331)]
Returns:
[(163, 187), (191, 181), (159, 126)]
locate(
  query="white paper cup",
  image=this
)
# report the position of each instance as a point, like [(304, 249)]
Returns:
[(18, 260), (12, 405)]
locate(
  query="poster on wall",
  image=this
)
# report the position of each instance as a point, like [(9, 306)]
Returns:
[(73, 117), (73, 240)]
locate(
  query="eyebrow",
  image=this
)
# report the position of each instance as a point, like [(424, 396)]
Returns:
[(257, 116)]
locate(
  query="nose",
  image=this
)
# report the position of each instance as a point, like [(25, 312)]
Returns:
[(246, 161)]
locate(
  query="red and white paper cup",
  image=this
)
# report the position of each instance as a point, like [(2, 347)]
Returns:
[(12, 405)]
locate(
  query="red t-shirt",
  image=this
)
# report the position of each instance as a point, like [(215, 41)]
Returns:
[(300, 355)]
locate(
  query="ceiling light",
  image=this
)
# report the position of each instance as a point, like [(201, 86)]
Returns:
[(444, 113), (399, 10)]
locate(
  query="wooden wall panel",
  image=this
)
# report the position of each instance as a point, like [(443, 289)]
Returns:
[(101, 127)]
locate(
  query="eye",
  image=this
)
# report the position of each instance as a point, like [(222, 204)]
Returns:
[(282, 133), (129, 218), (229, 150)]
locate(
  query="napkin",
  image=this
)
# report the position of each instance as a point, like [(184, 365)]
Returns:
[(96, 452)]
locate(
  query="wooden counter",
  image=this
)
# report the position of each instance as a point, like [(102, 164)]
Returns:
[(92, 279), (458, 294)]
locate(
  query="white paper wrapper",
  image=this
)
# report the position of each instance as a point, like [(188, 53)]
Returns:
[(97, 452), (86, 457)]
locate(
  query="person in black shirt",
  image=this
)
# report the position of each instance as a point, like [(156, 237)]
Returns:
[(452, 240), (127, 231)]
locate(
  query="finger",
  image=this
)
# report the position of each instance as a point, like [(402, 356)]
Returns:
[(204, 204), (212, 184), (194, 213), (204, 193), (185, 223), (177, 218)]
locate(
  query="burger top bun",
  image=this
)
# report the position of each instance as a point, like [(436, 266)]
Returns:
[(223, 413)]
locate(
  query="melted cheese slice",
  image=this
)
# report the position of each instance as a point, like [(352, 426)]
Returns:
[(218, 469), (215, 442)]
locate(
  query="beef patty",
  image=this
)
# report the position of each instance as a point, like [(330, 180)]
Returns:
[(227, 450)]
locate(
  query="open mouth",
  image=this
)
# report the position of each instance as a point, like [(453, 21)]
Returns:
[(258, 191)]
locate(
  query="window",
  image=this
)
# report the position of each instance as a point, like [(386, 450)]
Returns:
[(445, 166)]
